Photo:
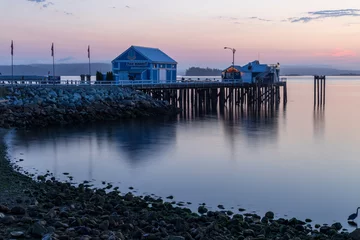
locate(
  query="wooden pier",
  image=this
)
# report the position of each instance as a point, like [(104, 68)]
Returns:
[(319, 90), (209, 96)]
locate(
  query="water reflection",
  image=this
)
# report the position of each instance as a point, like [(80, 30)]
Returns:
[(319, 121)]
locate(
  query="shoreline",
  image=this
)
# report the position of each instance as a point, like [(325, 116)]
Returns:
[(48, 209)]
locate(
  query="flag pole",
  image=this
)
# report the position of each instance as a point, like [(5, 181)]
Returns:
[(12, 60), (89, 62), (53, 55)]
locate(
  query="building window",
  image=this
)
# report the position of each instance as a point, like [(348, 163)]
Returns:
[(155, 65), (173, 66)]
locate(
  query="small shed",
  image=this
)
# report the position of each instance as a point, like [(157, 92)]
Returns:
[(144, 63)]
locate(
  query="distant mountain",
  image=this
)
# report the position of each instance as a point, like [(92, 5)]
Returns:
[(305, 70), (69, 69)]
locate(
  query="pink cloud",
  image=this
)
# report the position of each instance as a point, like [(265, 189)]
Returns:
[(337, 53)]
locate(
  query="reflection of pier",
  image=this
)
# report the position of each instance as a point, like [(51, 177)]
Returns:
[(211, 95)]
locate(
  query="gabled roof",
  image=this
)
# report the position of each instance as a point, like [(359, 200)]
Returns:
[(152, 54)]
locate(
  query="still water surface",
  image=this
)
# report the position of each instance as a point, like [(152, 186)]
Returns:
[(297, 161)]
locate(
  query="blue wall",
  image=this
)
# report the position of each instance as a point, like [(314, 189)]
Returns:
[(138, 61)]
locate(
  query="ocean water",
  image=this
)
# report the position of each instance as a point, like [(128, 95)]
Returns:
[(298, 161)]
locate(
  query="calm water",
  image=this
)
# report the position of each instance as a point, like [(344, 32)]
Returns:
[(298, 162)]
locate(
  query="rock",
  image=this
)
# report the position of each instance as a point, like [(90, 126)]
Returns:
[(4, 209), (249, 233), (308, 220), (38, 230), (325, 229), (337, 226), (202, 209), (176, 238), (317, 225), (17, 234), (8, 220), (221, 207), (242, 209), (104, 225), (18, 210), (270, 215), (170, 197)]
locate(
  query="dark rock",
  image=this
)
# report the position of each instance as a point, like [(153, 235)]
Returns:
[(18, 210), (308, 220), (221, 207), (17, 234), (202, 210), (325, 229), (337, 226), (104, 225), (176, 238), (8, 220), (270, 215), (249, 233), (38, 230), (4, 209), (317, 225)]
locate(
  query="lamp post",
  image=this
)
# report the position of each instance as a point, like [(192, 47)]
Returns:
[(233, 62), (233, 51)]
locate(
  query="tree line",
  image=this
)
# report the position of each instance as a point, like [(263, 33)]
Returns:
[(197, 71)]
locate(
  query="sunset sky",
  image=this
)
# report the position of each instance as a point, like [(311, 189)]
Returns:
[(306, 32)]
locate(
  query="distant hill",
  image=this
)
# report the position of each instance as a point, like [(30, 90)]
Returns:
[(305, 70), (70, 69), (197, 71)]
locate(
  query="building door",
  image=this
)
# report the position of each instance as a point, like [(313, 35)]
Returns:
[(162, 75)]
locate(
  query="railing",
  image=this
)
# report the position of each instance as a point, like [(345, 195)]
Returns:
[(136, 83)]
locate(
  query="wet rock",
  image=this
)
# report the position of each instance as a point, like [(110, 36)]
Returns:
[(7, 220), (104, 225), (17, 234), (270, 215), (249, 233), (325, 229), (18, 210), (176, 238), (221, 207), (202, 209), (4, 209), (337, 226), (38, 230), (308, 220)]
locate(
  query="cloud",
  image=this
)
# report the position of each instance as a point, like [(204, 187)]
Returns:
[(260, 19), (37, 1), (323, 14), (45, 5), (68, 13), (65, 59), (337, 53)]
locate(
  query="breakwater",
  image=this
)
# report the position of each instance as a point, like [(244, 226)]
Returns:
[(23, 107)]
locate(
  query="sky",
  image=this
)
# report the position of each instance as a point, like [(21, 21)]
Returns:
[(194, 33)]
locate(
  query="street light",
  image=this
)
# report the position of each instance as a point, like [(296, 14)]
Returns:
[(233, 62), (233, 51)]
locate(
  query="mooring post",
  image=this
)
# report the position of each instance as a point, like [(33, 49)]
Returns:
[(324, 88), (318, 89)]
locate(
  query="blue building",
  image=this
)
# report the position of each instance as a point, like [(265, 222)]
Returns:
[(143, 63)]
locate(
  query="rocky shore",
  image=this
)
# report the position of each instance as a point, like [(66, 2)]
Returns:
[(24, 107), (48, 209)]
